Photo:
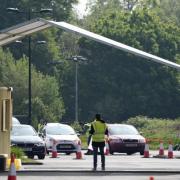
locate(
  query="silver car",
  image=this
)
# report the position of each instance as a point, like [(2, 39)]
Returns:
[(67, 141)]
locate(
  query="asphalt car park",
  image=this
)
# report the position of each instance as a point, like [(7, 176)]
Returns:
[(119, 162)]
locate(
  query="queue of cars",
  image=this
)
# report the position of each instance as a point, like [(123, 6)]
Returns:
[(122, 139)]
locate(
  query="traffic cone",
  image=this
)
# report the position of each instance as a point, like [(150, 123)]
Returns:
[(151, 178), (54, 150), (170, 151), (12, 169), (161, 149), (79, 153), (146, 150), (106, 148)]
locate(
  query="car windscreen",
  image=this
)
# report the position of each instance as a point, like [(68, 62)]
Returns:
[(60, 130), (122, 130), (23, 131)]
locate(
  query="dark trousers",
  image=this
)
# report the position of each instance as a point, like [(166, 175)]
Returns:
[(95, 154)]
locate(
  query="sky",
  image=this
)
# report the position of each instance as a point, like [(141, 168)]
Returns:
[(81, 7)]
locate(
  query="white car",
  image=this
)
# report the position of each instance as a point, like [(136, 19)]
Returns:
[(15, 121), (67, 141)]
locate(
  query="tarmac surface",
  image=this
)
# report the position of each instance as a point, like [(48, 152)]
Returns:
[(118, 166), (117, 163)]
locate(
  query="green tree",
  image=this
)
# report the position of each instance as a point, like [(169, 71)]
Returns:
[(47, 101), (121, 85)]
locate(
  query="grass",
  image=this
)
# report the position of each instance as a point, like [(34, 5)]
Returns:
[(154, 130)]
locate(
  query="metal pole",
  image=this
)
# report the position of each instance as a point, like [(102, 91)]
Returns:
[(76, 91), (29, 80)]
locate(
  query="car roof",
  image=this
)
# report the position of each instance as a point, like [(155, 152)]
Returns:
[(22, 125), (15, 120), (56, 124)]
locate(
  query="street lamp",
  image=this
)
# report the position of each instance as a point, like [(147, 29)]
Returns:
[(29, 12), (77, 59)]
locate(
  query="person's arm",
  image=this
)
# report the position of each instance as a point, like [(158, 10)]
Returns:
[(106, 132), (91, 131)]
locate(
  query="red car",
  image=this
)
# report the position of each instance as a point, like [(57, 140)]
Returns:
[(125, 139)]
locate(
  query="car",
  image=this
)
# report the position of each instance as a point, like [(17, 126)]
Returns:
[(15, 120), (125, 138), (67, 140), (26, 137)]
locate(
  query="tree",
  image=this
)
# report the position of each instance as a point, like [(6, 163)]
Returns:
[(121, 85), (47, 101)]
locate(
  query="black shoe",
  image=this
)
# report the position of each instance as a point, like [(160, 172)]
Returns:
[(89, 152), (103, 168)]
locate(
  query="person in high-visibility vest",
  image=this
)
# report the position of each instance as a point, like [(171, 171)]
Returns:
[(41, 125), (98, 131)]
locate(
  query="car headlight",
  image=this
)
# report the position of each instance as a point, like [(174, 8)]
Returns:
[(13, 144), (77, 141), (141, 140)]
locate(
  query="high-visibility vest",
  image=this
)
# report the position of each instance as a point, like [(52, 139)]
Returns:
[(40, 127), (99, 131)]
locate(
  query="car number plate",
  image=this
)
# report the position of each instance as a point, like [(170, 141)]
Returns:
[(131, 145), (27, 149), (65, 146)]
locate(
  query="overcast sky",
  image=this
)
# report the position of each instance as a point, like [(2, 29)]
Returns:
[(81, 7)]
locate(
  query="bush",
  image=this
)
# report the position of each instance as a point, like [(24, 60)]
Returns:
[(157, 129), (19, 153)]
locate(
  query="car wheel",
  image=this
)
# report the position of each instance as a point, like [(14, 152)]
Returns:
[(41, 156), (68, 153), (141, 153), (31, 156), (129, 153)]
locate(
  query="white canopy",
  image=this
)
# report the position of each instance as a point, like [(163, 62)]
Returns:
[(19, 31)]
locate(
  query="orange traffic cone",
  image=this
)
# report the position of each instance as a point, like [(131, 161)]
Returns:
[(54, 150), (170, 150), (161, 149), (146, 150), (79, 153), (12, 170), (106, 148)]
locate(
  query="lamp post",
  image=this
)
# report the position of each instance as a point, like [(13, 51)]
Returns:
[(77, 59), (29, 12)]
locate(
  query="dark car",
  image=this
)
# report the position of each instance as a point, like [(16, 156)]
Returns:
[(25, 137), (125, 139), (65, 136)]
